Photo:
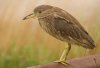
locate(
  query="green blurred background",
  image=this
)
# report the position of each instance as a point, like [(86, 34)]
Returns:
[(24, 43)]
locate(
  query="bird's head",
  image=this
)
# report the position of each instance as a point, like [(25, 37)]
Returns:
[(37, 11)]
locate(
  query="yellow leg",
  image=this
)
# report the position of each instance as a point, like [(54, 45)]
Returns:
[(64, 55)]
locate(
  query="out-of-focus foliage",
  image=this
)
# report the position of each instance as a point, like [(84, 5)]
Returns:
[(24, 43)]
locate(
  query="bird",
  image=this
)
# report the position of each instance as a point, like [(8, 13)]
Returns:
[(63, 26)]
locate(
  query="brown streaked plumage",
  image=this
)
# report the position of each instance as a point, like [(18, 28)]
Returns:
[(63, 26)]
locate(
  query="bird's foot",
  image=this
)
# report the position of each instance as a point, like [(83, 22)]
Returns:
[(62, 62)]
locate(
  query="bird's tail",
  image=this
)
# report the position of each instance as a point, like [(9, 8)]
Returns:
[(90, 43)]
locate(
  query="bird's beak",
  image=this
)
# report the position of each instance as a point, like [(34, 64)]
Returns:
[(32, 15)]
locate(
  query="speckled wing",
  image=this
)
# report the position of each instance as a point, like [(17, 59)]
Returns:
[(71, 31)]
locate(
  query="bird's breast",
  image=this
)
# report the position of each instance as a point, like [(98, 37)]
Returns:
[(48, 26)]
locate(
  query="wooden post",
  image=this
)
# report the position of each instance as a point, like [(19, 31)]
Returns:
[(84, 62)]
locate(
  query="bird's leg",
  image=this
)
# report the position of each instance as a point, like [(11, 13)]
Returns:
[(64, 55), (65, 52)]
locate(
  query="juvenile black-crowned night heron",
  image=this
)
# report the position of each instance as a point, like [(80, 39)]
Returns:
[(63, 26)]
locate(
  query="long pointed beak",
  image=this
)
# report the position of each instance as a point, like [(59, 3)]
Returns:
[(32, 15)]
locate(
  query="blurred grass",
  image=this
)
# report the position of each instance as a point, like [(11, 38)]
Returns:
[(24, 43)]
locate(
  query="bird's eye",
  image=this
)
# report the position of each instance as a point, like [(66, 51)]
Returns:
[(39, 11)]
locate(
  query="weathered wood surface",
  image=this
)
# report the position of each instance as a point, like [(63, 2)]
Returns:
[(84, 62)]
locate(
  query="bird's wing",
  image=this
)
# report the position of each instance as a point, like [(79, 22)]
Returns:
[(75, 32)]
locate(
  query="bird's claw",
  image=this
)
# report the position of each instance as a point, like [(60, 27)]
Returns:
[(62, 62)]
